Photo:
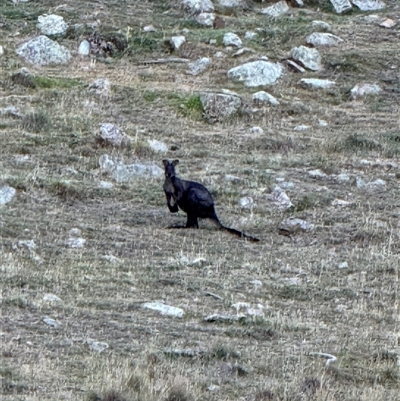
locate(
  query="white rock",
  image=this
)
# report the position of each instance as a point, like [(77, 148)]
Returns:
[(51, 298), (198, 6), (388, 23), (316, 83), (340, 203), (323, 123), (206, 19), (256, 130), (164, 309), (369, 5), (320, 25), (249, 35), (106, 184), (343, 265), (301, 127), (246, 202), (52, 25), (96, 346), (256, 73), (342, 178), (113, 134), (220, 106), (323, 39), (233, 3), (199, 66), (341, 6), (232, 178), (293, 224), (264, 97), (75, 242), (1, 51), (101, 86), (149, 28), (29, 244), (177, 41), (51, 322), (377, 183), (84, 48), (294, 66), (213, 388), (280, 198), (276, 9), (6, 194), (231, 39), (256, 283), (364, 89), (43, 51), (157, 146), (317, 174), (308, 57)]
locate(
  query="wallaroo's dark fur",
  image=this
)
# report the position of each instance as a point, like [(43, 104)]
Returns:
[(193, 198)]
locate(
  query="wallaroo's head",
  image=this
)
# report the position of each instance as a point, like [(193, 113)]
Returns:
[(170, 168)]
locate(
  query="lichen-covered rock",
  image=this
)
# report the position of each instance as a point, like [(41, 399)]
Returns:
[(307, 57), (206, 19), (276, 9), (323, 39), (198, 6), (263, 97), (315, 83), (6, 194), (364, 89), (44, 51), (341, 6), (114, 135), (198, 66), (369, 5), (52, 25), (231, 39)]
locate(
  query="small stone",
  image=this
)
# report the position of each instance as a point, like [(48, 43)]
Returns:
[(51, 298), (308, 57), (256, 283), (341, 6), (256, 130), (369, 5), (149, 28), (96, 346), (280, 199), (84, 48), (52, 25), (323, 39), (199, 66), (206, 19), (276, 9), (317, 174), (315, 83), (106, 184), (1, 51), (242, 51), (217, 317), (213, 41), (51, 322), (340, 203), (114, 135), (177, 41), (213, 388), (232, 178), (231, 39), (301, 127), (249, 35), (166, 310), (29, 244), (388, 23), (323, 123), (343, 265), (246, 202), (320, 25), (101, 86), (342, 178), (6, 194), (293, 225), (198, 6), (76, 242), (264, 97), (157, 146), (361, 90)]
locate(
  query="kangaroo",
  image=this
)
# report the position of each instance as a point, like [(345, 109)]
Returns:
[(194, 199)]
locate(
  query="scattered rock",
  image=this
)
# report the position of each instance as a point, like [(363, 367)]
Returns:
[(307, 57), (301, 127), (52, 25), (341, 6), (315, 83), (280, 199), (75, 240), (323, 39), (51, 298), (164, 309), (43, 51), (297, 3), (293, 225), (96, 346), (242, 51), (216, 317), (263, 97), (246, 202), (6, 194), (213, 388), (294, 66), (320, 25), (1, 51), (198, 6), (13, 112), (101, 86), (199, 66), (231, 39), (317, 174), (361, 90), (388, 23), (369, 5), (276, 9), (256, 73), (177, 41), (343, 265), (149, 28), (113, 135), (221, 106), (24, 77), (84, 48), (186, 352), (340, 203), (157, 146), (51, 322), (28, 244), (256, 283), (232, 178), (342, 178), (249, 35), (256, 130), (206, 19)]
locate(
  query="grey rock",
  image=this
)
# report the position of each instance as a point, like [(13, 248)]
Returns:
[(28, 244), (364, 89), (217, 317), (206, 19), (249, 35), (298, 3), (52, 298), (177, 41), (320, 25), (294, 66), (317, 174), (114, 135), (256, 130), (342, 178), (315, 83), (96, 346), (231, 39), (124, 173), (369, 5), (6, 194), (84, 48), (164, 309), (43, 51), (157, 146), (341, 6), (198, 6), (293, 225), (52, 25), (343, 265), (242, 51), (149, 28), (256, 73), (263, 97), (101, 86), (233, 3), (246, 202), (323, 39), (199, 66), (1, 51), (276, 9), (11, 111), (186, 352), (232, 178), (301, 127), (24, 77), (308, 57), (51, 322), (221, 106), (323, 123), (340, 203), (73, 242), (280, 199)]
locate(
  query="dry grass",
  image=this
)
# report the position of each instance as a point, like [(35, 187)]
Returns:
[(308, 304)]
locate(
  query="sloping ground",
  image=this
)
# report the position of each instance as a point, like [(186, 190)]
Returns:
[(287, 296)]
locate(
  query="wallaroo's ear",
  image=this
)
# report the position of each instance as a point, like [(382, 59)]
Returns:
[(165, 162), (175, 162)]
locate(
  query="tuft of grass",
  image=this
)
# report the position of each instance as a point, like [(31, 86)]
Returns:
[(63, 83), (178, 393), (356, 143), (37, 121), (189, 106)]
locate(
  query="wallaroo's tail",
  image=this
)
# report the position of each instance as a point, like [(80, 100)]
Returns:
[(240, 234)]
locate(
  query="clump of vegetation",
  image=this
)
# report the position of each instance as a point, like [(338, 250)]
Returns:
[(64, 83), (37, 121)]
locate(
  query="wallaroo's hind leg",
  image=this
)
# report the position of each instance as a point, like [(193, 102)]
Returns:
[(192, 221)]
